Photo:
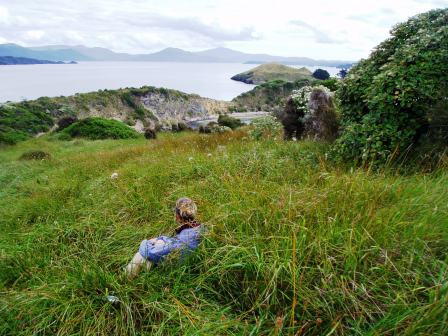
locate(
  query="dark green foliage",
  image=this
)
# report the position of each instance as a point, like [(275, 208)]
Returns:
[(226, 120), (19, 121), (150, 133), (342, 73), (99, 128), (65, 122), (35, 155), (321, 74), (131, 98), (236, 108), (389, 101), (332, 83), (182, 127)]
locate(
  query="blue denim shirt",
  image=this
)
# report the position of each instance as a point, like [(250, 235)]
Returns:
[(185, 241)]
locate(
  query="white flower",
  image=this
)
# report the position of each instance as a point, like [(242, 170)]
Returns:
[(114, 176), (190, 158)]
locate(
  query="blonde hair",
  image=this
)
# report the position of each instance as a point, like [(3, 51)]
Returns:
[(186, 208)]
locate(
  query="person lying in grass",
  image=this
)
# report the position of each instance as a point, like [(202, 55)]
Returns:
[(187, 238)]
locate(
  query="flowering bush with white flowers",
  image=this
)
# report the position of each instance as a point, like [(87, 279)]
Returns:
[(267, 127)]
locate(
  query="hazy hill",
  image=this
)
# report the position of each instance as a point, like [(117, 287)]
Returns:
[(272, 71), (63, 54), (82, 53), (173, 55), (93, 54), (11, 60)]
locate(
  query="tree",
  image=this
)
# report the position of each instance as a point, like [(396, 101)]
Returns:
[(321, 74), (342, 73)]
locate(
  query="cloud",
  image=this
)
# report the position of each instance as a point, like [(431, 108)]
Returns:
[(287, 27), (33, 35), (433, 3), (319, 35), (193, 25), (383, 17)]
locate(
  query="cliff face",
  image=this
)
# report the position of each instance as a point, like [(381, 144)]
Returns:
[(166, 108), (136, 107)]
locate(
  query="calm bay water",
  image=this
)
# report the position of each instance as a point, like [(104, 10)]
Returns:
[(18, 82)]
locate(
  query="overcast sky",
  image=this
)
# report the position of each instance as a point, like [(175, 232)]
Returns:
[(324, 29)]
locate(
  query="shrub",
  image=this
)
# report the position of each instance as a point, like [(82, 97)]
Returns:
[(150, 133), (267, 127), (63, 123), (99, 128), (35, 155), (388, 100), (322, 121), (310, 112), (321, 74), (204, 129), (179, 127), (228, 121), (332, 84)]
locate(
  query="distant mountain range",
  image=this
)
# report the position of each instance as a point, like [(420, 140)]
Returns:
[(225, 55), (11, 60)]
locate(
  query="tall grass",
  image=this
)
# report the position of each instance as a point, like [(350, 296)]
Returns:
[(295, 246)]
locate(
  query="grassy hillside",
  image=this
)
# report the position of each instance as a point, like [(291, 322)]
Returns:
[(273, 71), (295, 246)]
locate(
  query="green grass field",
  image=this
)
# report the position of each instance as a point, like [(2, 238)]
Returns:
[(295, 245)]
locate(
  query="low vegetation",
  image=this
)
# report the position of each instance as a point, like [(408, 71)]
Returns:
[(99, 128), (35, 155), (295, 244), (229, 121)]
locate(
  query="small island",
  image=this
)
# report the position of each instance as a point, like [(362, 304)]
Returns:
[(272, 71), (11, 60)]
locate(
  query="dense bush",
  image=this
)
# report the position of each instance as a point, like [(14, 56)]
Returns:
[(214, 127), (226, 120), (35, 155), (179, 127), (99, 128), (65, 122), (332, 84), (267, 127), (321, 74), (19, 121), (310, 113), (150, 133), (397, 98)]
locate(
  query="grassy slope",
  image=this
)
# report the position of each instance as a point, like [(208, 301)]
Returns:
[(294, 245), (273, 71)]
